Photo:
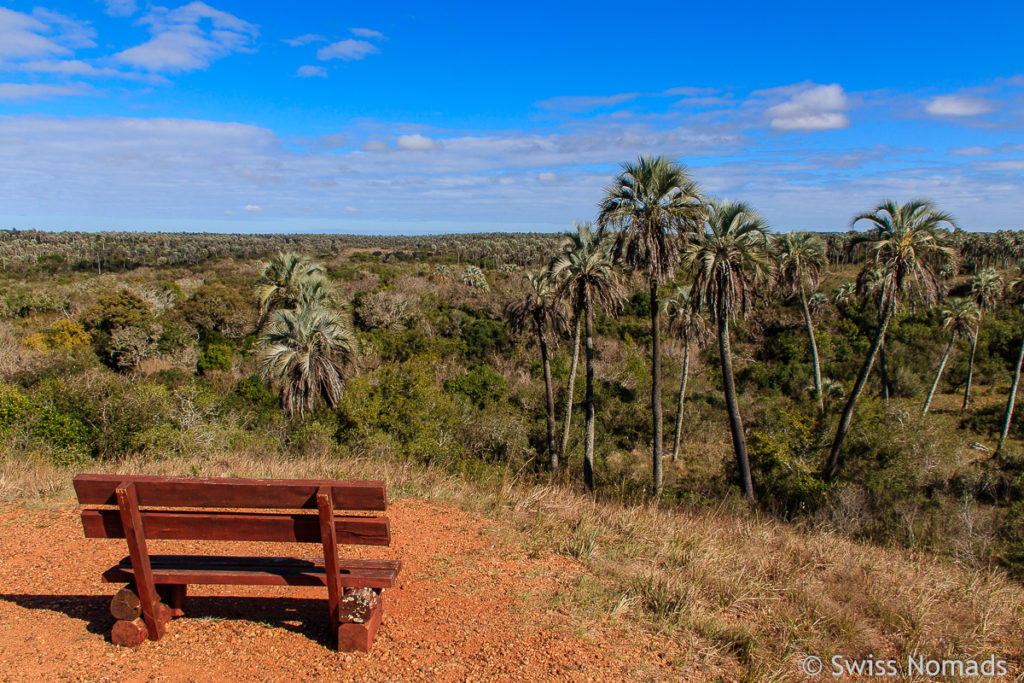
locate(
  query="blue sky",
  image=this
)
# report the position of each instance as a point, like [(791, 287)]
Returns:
[(415, 117)]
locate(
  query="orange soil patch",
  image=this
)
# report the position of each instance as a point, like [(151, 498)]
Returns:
[(468, 607)]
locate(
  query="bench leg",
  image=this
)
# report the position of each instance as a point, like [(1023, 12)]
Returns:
[(130, 629), (359, 615), (173, 595)]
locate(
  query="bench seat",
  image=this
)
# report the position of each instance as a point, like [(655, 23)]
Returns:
[(263, 571)]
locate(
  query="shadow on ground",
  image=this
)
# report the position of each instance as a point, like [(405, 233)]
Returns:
[(306, 616)]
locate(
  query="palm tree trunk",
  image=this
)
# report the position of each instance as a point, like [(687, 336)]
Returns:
[(588, 448), (970, 367), (567, 419), (739, 441), (1011, 399), (814, 350), (682, 396), (656, 387), (884, 367), (832, 463), (550, 395), (938, 375)]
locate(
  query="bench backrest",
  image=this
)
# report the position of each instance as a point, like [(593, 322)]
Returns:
[(258, 494)]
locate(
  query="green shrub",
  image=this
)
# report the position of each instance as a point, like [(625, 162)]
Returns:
[(483, 336), (14, 405), (784, 464), (401, 407), (221, 307), (480, 384), (215, 357), (117, 309)]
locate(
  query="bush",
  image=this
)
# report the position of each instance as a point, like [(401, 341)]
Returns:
[(401, 408), (218, 306), (14, 405), (215, 357), (116, 309), (480, 384), (784, 465), (483, 336)]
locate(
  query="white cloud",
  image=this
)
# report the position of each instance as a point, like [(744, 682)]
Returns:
[(547, 177), (350, 209), (819, 107), (120, 8), (972, 151), (416, 142), (305, 39), (42, 34), (31, 91), (348, 50), (366, 33), (308, 71), (180, 41), (957, 105), (581, 103), (252, 208)]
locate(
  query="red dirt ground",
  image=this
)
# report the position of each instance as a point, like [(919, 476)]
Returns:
[(468, 607)]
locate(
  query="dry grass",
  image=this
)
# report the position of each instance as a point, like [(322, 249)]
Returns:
[(744, 596)]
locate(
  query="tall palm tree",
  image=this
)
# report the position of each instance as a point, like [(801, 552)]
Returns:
[(870, 284), (687, 322), (305, 352), (729, 259), (801, 258), (1016, 290), (907, 243), (540, 310), (652, 204), (580, 246), (960, 317), (278, 285), (588, 279), (986, 288)]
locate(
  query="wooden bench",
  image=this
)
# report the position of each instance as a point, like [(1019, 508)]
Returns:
[(157, 583)]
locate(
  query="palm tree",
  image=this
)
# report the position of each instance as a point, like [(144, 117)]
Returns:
[(907, 243), (986, 288), (306, 351), (278, 285), (691, 326), (1016, 289), (313, 291), (960, 317), (728, 260), (583, 243), (801, 258), (540, 310), (652, 203), (845, 294), (871, 284), (588, 279)]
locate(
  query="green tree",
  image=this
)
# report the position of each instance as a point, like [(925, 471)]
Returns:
[(1016, 290), (986, 289), (540, 309), (801, 257), (653, 204), (729, 260), (588, 278), (691, 327), (305, 352), (960, 318), (909, 246), (114, 310)]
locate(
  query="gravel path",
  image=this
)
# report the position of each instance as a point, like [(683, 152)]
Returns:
[(468, 607)]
